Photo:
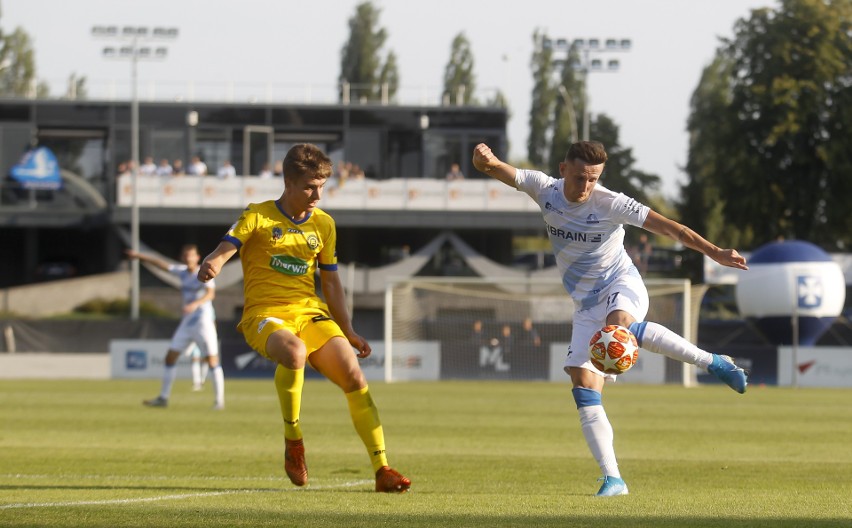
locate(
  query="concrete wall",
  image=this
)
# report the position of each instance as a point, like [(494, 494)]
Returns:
[(45, 299), (61, 296), (34, 365)]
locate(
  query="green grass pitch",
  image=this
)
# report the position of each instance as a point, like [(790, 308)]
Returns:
[(486, 454)]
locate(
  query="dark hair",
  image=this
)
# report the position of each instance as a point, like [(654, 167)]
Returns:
[(591, 152), (306, 159), (189, 247)]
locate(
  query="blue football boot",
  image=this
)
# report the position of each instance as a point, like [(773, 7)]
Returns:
[(611, 487), (723, 367)]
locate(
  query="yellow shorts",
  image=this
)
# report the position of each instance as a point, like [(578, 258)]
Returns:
[(311, 324)]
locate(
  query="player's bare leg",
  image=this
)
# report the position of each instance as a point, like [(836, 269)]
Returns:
[(336, 361)]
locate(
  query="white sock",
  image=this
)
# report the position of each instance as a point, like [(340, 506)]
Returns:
[(204, 369), (657, 338), (219, 384), (599, 436), (196, 373), (169, 374)]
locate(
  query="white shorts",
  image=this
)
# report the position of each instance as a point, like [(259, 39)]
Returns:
[(627, 293), (194, 330)]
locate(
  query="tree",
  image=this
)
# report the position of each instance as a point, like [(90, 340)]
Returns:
[(702, 202), (17, 64), (569, 108), (543, 99), (782, 103), (390, 76), (459, 79), (361, 64), (619, 174), (77, 88)]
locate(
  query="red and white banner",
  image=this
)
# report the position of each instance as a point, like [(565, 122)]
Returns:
[(815, 366)]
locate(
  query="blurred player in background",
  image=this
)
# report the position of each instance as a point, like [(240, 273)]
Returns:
[(282, 243), (200, 368), (584, 222), (197, 327)]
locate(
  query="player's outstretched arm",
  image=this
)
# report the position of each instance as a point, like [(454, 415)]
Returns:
[(208, 296), (659, 224), (212, 263), (335, 298), (160, 263), (486, 162)]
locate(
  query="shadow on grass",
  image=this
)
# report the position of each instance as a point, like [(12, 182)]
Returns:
[(327, 519)]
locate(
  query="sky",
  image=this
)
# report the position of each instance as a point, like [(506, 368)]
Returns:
[(292, 50)]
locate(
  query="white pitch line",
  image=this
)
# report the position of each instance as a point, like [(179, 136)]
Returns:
[(142, 477), (22, 505)]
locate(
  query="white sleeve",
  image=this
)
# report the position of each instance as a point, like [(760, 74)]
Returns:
[(532, 182), (176, 269), (628, 211)]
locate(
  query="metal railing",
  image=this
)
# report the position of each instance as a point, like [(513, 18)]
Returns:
[(233, 91)]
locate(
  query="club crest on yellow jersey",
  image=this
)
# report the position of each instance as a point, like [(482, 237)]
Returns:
[(312, 240)]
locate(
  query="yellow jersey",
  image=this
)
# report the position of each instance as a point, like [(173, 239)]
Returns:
[(280, 255)]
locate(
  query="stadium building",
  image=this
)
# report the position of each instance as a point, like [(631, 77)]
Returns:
[(397, 202)]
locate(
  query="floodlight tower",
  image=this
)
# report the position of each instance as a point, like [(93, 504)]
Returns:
[(589, 48), (129, 47)]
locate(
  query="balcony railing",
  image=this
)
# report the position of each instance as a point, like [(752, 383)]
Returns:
[(120, 89), (397, 194)]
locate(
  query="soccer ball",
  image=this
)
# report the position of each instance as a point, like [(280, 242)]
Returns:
[(613, 349)]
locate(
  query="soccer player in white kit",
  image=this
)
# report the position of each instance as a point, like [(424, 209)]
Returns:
[(197, 326), (584, 222)]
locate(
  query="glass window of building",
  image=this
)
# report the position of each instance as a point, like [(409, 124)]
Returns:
[(79, 151)]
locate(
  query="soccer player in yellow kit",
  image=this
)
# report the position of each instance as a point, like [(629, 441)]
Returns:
[(282, 243)]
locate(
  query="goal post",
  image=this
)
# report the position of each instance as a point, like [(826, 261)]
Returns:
[(510, 328)]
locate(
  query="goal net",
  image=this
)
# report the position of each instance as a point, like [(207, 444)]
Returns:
[(480, 328)]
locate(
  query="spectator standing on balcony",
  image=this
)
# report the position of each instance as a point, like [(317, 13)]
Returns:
[(340, 175), (148, 168), (164, 168), (123, 169), (197, 167), (455, 173), (356, 172), (197, 326), (226, 171), (266, 172), (585, 224), (177, 168), (282, 243)]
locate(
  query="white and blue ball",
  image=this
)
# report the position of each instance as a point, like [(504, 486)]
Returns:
[(791, 278)]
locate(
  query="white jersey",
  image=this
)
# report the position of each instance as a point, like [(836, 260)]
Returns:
[(198, 327), (192, 289), (587, 238)]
